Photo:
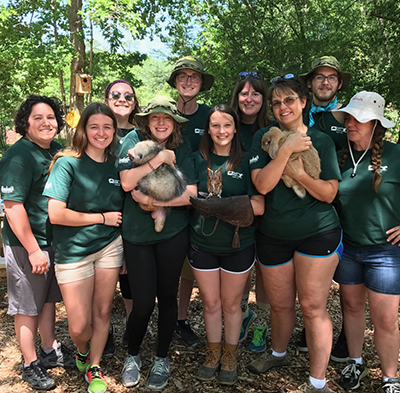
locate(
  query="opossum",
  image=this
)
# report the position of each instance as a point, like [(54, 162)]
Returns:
[(163, 184), (274, 139)]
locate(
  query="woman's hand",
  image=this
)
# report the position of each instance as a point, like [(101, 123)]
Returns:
[(297, 142), (394, 237), (112, 219), (139, 197), (294, 168), (39, 262), (167, 156), (123, 269)]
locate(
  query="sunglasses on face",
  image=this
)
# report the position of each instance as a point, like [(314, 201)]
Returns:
[(116, 95), (254, 74), (185, 77), (286, 76), (288, 101)]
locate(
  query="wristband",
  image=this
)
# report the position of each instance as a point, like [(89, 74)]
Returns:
[(151, 166), (30, 253), (104, 218), (150, 202)]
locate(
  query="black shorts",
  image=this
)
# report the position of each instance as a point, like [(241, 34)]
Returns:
[(236, 262), (275, 252)]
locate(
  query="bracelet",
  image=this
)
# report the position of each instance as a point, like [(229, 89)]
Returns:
[(104, 218), (30, 253), (150, 202), (151, 166)]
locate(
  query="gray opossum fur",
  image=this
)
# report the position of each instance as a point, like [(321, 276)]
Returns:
[(274, 139), (165, 182)]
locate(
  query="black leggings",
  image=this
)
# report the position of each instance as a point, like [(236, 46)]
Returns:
[(154, 271)]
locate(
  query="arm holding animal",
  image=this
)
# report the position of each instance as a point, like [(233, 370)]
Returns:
[(322, 190), (266, 179), (130, 177), (183, 200), (258, 204), (17, 218), (59, 214)]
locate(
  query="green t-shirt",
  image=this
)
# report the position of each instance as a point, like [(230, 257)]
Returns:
[(365, 214), (236, 182), (287, 216), (121, 134), (246, 135), (137, 224), (23, 175), (327, 123), (194, 129), (86, 186)]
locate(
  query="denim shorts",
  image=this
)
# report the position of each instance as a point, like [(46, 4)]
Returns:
[(377, 267)]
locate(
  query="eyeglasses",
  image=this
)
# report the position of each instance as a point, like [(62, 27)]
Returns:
[(288, 101), (286, 76), (116, 95), (254, 74), (319, 78), (185, 77)]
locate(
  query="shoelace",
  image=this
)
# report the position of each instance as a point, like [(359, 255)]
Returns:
[(391, 386), (131, 363), (95, 372), (349, 370), (40, 371), (258, 335), (159, 368)]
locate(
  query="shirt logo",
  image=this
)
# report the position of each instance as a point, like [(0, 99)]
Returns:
[(123, 160), (199, 131), (383, 168), (338, 129), (48, 185), (254, 159), (7, 190), (116, 182), (235, 175)]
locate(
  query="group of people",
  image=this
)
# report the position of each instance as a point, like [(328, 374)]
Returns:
[(76, 222)]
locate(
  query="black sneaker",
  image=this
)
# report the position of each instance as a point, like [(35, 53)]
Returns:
[(37, 376), (302, 343), (352, 374), (392, 385), (59, 357), (340, 353), (109, 349), (183, 330)]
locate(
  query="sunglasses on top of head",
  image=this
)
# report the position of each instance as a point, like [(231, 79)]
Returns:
[(116, 95), (254, 74), (285, 76)]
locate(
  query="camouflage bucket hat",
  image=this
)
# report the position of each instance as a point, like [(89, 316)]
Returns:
[(160, 104), (331, 62), (190, 63)]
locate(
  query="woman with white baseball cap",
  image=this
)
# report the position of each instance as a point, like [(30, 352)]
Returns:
[(370, 215)]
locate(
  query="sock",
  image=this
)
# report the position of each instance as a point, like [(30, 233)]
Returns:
[(244, 305), (26, 365), (278, 354), (318, 383), (357, 360), (385, 378), (47, 351)]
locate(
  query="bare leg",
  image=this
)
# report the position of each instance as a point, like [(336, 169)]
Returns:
[(26, 330), (185, 292), (47, 321)]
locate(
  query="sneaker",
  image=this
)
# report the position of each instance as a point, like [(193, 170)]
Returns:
[(352, 374), (340, 353), (258, 343), (302, 342), (37, 376), (125, 341), (109, 349), (82, 360), (392, 385), (94, 376), (59, 357), (131, 371), (184, 331), (309, 388), (212, 363), (159, 374), (267, 361), (246, 323)]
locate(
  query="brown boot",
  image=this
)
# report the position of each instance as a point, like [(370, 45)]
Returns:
[(228, 373), (212, 363)]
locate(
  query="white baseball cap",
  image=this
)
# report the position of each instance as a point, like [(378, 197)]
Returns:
[(365, 106)]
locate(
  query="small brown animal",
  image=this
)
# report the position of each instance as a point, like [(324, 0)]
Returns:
[(214, 182), (274, 139)]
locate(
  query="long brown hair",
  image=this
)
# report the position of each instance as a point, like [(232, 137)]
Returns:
[(376, 154), (80, 140), (206, 143), (173, 141)]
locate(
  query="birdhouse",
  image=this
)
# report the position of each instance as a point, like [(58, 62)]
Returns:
[(83, 83)]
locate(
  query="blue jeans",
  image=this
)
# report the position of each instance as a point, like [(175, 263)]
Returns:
[(377, 267)]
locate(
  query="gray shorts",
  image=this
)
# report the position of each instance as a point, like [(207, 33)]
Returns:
[(28, 292)]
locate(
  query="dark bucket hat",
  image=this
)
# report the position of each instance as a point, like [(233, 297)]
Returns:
[(190, 63), (328, 61)]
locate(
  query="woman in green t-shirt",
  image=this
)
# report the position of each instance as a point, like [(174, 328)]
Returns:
[(370, 214), (154, 259), (299, 239), (85, 206), (221, 267)]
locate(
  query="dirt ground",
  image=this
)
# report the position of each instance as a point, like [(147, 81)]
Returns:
[(184, 361)]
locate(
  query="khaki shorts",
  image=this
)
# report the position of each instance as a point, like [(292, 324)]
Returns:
[(107, 258), (187, 271)]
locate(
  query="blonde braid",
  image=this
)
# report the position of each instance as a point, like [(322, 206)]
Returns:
[(376, 156)]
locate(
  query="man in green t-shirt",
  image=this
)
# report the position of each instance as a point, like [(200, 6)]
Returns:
[(189, 79), (325, 80)]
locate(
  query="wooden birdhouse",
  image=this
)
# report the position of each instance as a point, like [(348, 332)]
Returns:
[(83, 84)]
